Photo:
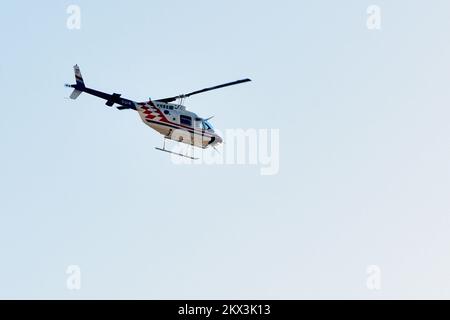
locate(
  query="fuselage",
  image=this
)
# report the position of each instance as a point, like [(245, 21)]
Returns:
[(176, 123)]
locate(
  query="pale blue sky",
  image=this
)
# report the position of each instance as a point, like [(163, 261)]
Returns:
[(364, 158)]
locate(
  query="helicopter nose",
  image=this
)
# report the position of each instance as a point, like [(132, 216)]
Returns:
[(215, 140)]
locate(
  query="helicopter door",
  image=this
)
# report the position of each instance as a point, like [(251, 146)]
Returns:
[(198, 123)]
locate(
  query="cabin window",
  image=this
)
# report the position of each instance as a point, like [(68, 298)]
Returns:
[(207, 125), (166, 112), (186, 120)]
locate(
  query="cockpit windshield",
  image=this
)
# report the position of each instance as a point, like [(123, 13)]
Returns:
[(207, 125)]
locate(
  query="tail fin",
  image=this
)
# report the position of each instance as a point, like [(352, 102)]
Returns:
[(79, 86), (78, 76)]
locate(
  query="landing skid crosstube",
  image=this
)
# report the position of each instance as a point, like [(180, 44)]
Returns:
[(176, 153)]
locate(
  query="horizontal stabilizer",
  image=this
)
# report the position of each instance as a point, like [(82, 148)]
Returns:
[(75, 94)]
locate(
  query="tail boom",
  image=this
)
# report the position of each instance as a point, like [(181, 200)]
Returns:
[(111, 99)]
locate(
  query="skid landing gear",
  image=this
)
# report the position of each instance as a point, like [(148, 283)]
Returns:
[(176, 153)]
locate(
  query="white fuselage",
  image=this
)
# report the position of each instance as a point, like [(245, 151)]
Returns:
[(176, 123)]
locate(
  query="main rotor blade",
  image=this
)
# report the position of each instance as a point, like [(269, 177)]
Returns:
[(171, 99), (216, 87)]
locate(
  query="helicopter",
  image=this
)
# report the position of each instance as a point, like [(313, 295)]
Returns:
[(172, 120)]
